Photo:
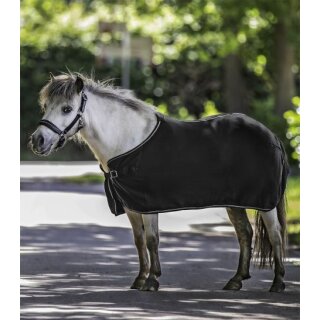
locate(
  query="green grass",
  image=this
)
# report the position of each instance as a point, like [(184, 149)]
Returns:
[(86, 178)]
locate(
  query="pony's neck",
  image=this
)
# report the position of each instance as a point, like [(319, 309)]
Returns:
[(112, 128)]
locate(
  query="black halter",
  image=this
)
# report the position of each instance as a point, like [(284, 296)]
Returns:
[(62, 133)]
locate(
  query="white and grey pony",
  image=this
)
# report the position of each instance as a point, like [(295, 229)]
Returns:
[(114, 122)]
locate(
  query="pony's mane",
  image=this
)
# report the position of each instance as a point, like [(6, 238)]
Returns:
[(63, 86)]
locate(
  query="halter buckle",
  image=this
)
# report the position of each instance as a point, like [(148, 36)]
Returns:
[(61, 141), (80, 124)]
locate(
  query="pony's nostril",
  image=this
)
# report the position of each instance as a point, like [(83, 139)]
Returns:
[(40, 140)]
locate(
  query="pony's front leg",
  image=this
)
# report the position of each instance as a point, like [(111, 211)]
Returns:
[(140, 242), (239, 219), (150, 222)]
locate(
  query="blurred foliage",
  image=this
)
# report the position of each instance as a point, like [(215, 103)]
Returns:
[(293, 132), (293, 209), (191, 40)]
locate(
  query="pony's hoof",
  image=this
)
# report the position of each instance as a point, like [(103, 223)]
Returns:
[(150, 285), (277, 287), (138, 283), (233, 285)]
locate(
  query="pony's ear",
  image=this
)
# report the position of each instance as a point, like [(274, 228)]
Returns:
[(51, 76), (79, 84)]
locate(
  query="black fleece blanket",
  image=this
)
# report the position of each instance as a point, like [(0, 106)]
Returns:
[(228, 160)]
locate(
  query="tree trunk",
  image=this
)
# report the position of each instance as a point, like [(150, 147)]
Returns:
[(235, 93), (284, 90)]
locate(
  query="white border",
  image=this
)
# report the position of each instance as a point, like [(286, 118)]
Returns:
[(10, 145), (310, 158)]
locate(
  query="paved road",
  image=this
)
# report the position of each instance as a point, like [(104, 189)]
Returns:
[(83, 271), (78, 261)]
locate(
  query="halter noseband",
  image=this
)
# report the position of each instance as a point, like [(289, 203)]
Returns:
[(62, 133)]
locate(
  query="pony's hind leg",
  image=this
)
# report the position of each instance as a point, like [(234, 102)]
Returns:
[(140, 242), (151, 226), (272, 224), (239, 219)]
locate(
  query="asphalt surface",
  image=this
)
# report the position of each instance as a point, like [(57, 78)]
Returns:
[(77, 271)]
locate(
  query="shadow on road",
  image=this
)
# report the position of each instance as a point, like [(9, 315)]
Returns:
[(84, 272)]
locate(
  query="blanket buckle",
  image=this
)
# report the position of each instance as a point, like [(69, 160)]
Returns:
[(113, 174)]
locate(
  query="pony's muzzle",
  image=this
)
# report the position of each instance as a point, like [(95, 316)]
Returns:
[(39, 143)]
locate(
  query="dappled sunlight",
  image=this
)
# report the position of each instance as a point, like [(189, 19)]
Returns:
[(57, 208), (227, 249), (45, 170), (175, 249), (84, 271), (29, 249), (103, 237), (202, 260), (223, 269)]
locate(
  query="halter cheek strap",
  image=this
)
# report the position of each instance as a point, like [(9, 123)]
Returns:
[(77, 118)]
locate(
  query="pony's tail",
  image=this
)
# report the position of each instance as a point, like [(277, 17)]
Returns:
[(262, 247)]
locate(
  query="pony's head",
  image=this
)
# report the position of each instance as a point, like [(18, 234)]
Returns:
[(61, 100)]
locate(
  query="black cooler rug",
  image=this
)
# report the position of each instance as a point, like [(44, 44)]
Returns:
[(228, 160)]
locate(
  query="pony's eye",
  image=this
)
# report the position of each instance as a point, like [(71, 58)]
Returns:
[(66, 109)]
